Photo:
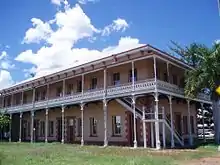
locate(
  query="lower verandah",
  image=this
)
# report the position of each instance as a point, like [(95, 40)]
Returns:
[(119, 124)]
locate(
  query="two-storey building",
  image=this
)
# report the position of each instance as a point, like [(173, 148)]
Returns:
[(132, 98)]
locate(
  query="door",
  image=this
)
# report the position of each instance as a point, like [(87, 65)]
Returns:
[(70, 129), (36, 130), (24, 130), (59, 129), (178, 123)]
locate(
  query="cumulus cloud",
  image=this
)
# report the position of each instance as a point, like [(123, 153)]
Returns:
[(117, 25), (59, 50), (86, 1), (5, 65), (40, 31), (5, 79)]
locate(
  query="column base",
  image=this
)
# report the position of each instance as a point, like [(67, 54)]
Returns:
[(158, 147), (105, 144), (62, 141), (46, 141), (135, 144), (82, 143)]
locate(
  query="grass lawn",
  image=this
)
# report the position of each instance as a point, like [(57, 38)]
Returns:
[(67, 154)]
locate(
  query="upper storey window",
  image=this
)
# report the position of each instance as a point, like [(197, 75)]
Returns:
[(70, 89), (25, 98), (165, 77), (175, 79), (116, 78), (79, 86), (130, 75), (93, 83), (43, 95), (59, 92)]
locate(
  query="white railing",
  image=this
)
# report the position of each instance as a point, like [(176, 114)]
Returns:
[(165, 86), (122, 90)]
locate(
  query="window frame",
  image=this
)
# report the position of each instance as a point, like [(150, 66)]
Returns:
[(94, 85), (93, 127), (130, 75), (115, 129), (116, 77)]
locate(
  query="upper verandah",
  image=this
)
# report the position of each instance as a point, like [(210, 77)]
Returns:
[(109, 61)]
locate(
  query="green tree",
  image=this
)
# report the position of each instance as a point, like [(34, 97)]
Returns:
[(4, 121), (205, 75)]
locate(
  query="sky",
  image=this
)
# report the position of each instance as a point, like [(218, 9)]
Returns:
[(44, 36)]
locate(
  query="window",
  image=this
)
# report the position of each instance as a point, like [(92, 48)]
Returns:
[(116, 125), (94, 83), (9, 101), (59, 92), (17, 100), (43, 95), (70, 89), (79, 127), (25, 99), (182, 82), (79, 86), (165, 77), (116, 78), (192, 124), (158, 73), (93, 126), (37, 95), (42, 128), (51, 128), (130, 75), (175, 79), (185, 125)]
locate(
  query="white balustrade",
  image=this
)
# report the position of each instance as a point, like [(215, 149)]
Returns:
[(143, 86)]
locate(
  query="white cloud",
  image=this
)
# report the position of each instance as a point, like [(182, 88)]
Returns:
[(5, 63), (5, 79), (86, 1), (3, 55), (40, 31), (59, 51), (56, 2), (117, 25), (5, 76)]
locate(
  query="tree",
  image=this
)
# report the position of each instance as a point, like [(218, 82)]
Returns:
[(205, 75), (4, 121)]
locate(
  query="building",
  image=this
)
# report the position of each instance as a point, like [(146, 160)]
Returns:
[(132, 98)]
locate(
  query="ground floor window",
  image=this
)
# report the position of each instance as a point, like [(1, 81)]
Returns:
[(42, 128), (116, 125), (51, 128), (93, 126)]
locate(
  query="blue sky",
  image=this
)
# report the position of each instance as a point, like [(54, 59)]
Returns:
[(41, 36)]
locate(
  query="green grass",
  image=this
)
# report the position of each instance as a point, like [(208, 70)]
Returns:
[(67, 154)]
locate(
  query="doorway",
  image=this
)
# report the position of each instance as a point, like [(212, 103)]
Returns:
[(70, 129), (59, 129), (178, 120), (36, 129)]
